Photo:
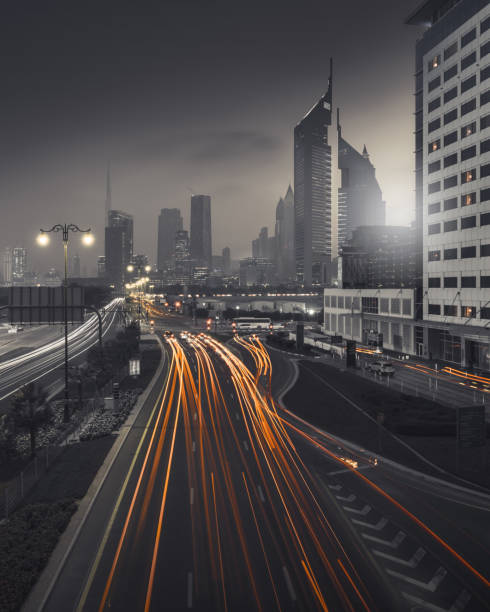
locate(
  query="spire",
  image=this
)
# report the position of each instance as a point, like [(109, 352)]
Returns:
[(365, 153), (289, 197), (108, 195), (339, 129), (330, 83)]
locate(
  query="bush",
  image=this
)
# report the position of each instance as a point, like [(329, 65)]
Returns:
[(26, 543)]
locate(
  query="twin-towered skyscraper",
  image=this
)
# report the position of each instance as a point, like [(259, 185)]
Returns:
[(335, 191)]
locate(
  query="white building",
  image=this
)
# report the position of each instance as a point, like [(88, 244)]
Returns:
[(363, 314), (452, 131)]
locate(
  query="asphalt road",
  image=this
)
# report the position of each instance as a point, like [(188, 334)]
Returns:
[(44, 362), (219, 499)]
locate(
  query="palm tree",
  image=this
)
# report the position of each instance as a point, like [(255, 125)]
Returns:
[(31, 410)]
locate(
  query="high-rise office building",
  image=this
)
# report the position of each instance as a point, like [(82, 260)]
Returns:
[(314, 190), (169, 223), (284, 232), (182, 258), (201, 240), (226, 254), (7, 266), (101, 266), (118, 246), (452, 172), (360, 201), (74, 266), (19, 265)]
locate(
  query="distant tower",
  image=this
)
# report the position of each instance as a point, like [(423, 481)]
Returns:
[(285, 237), (118, 246), (169, 223), (7, 266), (226, 254), (108, 195), (201, 240), (314, 192)]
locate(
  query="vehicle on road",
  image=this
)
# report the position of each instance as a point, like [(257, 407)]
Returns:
[(385, 368), (251, 323)]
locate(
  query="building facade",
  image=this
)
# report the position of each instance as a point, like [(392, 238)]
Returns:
[(313, 190), (360, 201), (7, 266), (284, 231), (452, 165), (182, 258), (19, 265), (118, 246), (169, 223), (201, 239)]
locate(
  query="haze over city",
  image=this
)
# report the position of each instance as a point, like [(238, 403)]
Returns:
[(188, 97)]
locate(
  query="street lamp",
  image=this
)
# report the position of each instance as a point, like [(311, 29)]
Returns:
[(43, 240)]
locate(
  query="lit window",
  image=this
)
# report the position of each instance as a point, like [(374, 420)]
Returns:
[(468, 311), (435, 145)]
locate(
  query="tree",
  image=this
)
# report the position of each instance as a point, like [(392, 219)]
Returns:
[(31, 410)]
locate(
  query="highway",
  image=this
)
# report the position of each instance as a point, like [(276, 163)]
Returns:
[(222, 500), (42, 362)]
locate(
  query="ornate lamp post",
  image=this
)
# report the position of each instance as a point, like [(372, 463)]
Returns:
[(43, 240)]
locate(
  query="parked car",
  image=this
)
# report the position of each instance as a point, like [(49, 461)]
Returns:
[(384, 368)]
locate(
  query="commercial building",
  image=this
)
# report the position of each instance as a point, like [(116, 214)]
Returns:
[(101, 266), (201, 239), (452, 165), (314, 190), (386, 316), (118, 246), (169, 223), (7, 266), (182, 259), (360, 201), (378, 256), (284, 234), (256, 271), (226, 261), (19, 265)]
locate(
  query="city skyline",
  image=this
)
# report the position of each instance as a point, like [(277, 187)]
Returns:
[(223, 135)]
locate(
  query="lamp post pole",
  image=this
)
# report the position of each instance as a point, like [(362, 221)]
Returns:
[(43, 239)]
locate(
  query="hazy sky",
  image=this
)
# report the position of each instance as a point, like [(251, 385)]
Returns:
[(185, 95)]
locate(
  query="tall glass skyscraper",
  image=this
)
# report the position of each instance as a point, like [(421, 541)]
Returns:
[(313, 190), (118, 245), (169, 223), (201, 242)]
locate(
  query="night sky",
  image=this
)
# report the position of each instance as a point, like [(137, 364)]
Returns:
[(190, 96)]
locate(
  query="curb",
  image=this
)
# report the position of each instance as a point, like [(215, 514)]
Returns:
[(39, 594)]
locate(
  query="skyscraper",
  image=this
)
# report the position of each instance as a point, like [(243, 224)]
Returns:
[(284, 232), (169, 223), (19, 265), (452, 179), (313, 190), (359, 196), (201, 241), (226, 254), (7, 266), (74, 265), (118, 246), (182, 260), (108, 195)]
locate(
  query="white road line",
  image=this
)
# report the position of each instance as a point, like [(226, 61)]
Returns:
[(194, 446), (237, 416), (458, 605), (431, 586), (231, 395), (261, 495), (412, 562), (351, 498), (195, 416), (245, 445), (189, 589), (381, 524), (192, 496), (343, 471), (289, 584), (365, 510), (394, 543), (335, 487)]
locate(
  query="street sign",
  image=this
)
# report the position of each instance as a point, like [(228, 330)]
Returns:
[(471, 429), (45, 305)]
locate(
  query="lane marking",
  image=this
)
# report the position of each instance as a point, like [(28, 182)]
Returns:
[(381, 524), (334, 487), (289, 584), (237, 416), (245, 445), (412, 562), (365, 510), (195, 416), (459, 605), (394, 543), (261, 495), (194, 446), (351, 498), (431, 586), (189, 590), (192, 496), (345, 470)]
